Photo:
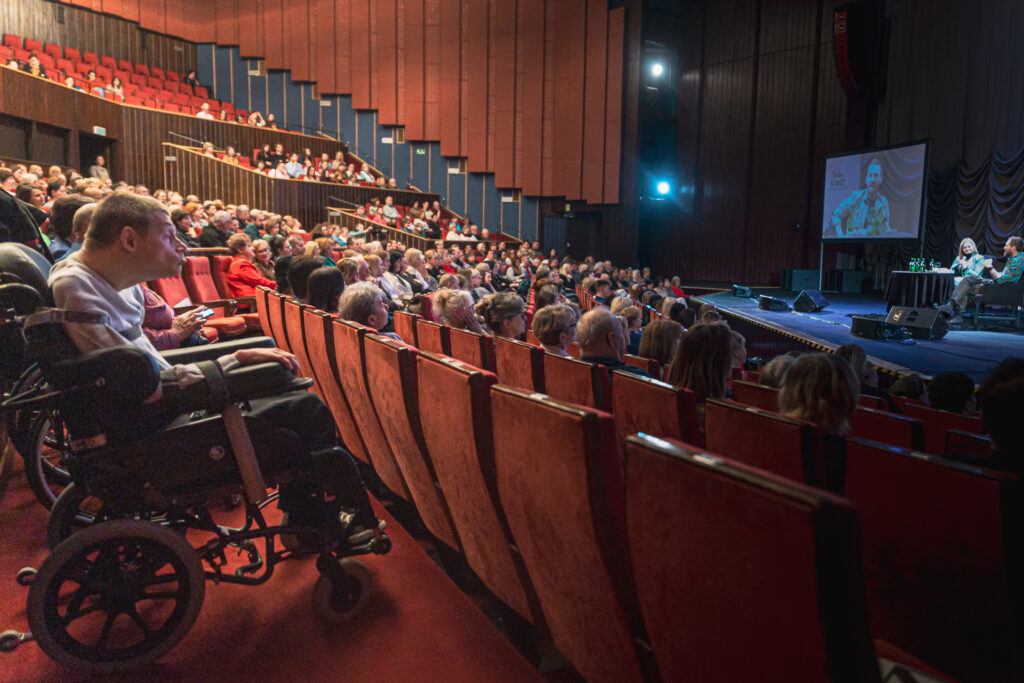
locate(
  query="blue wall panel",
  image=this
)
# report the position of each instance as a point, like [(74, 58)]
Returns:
[(363, 141), (475, 198), (240, 80), (457, 191), (222, 74), (347, 132), (528, 218), (383, 150), (329, 117), (438, 171), (492, 204), (310, 110), (554, 234), (293, 103), (258, 94), (204, 63), (420, 171), (401, 171), (510, 218)]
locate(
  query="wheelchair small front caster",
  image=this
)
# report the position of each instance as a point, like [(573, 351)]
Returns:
[(342, 592), (10, 640), (25, 577)]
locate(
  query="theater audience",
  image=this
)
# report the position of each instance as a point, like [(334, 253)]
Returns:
[(910, 387), (660, 340), (453, 307), (217, 232), (366, 304), (774, 371), (183, 228), (1002, 395), (62, 218), (857, 357), (299, 270), (952, 392), (99, 169), (323, 289), (504, 315), (602, 339), (243, 277), (261, 258), (702, 364), (555, 328)]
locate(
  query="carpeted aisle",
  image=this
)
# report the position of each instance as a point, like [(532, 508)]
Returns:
[(418, 626)]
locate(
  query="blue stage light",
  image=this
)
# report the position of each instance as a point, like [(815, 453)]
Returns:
[(663, 187), (657, 69)]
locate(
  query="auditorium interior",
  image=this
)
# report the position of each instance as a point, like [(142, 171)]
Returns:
[(565, 340)]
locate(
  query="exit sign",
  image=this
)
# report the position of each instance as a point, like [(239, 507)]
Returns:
[(99, 130), (421, 151)]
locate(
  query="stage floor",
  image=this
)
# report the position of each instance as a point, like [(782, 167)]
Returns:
[(972, 352)]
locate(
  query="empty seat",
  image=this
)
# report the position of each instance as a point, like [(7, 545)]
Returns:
[(262, 311), (33, 45), (66, 65), (577, 381), (644, 404), (91, 58), (470, 347), (163, 96), (765, 398), (174, 292), (201, 91), (519, 364), (53, 50), (461, 446), (171, 76), (405, 326), (895, 430), (769, 441), (142, 69), (12, 41), (959, 442), (432, 337), (941, 551), (348, 339), (72, 54), (319, 335), (47, 61), (742, 575), (154, 82), (109, 62), (392, 378), (170, 106), (936, 422), (572, 502), (185, 88), (156, 72), (137, 79)]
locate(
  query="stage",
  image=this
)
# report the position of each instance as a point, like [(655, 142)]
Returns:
[(770, 332)]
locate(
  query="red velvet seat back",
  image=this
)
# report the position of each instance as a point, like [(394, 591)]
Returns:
[(519, 364), (964, 443), (470, 347), (742, 575), (935, 560), (576, 381), (895, 430), (765, 398), (392, 378), (564, 503), (293, 326), (348, 352), (642, 404), (459, 436), (275, 307), (405, 326), (936, 422), (784, 446), (172, 290), (262, 311), (221, 264), (319, 335), (199, 280), (648, 365), (432, 337)]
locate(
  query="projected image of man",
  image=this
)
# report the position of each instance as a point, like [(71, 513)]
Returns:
[(865, 213)]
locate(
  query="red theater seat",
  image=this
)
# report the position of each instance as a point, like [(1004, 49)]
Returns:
[(937, 422), (90, 58), (53, 50), (293, 322), (470, 347), (349, 340), (461, 446), (156, 72), (262, 310), (138, 79), (275, 310), (12, 41), (769, 441), (170, 106), (895, 430), (47, 61), (433, 337), (72, 54), (392, 378), (33, 45), (648, 365), (765, 398), (572, 502), (109, 62), (174, 292), (142, 69), (643, 404), (125, 65), (154, 82), (171, 76), (941, 548), (202, 288), (405, 326), (519, 364), (201, 91), (719, 518), (959, 442), (220, 264), (577, 381)]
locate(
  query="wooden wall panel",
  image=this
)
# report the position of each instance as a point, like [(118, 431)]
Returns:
[(613, 109), (530, 45), (360, 54), (298, 39), (325, 53), (548, 75), (473, 128), (450, 49), (386, 61), (501, 133), (343, 46), (432, 107), (594, 100), (411, 108), (273, 44)]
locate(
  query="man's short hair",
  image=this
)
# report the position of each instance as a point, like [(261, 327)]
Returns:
[(62, 214), (299, 271), (118, 211), (221, 217), (951, 391), (358, 301), (1002, 395), (1017, 243), (80, 224), (594, 326)]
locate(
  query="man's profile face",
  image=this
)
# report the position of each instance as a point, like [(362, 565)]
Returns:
[(99, 161), (873, 181), (1009, 249), (160, 248)]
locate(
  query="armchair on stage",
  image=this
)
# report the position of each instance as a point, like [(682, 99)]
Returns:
[(133, 539), (998, 296)]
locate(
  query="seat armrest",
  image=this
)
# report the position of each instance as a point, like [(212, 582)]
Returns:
[(194, 354), (260, 380)]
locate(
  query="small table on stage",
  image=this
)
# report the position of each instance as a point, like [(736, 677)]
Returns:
[(918, 290)]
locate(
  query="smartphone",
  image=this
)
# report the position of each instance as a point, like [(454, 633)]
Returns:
[(205, 313)]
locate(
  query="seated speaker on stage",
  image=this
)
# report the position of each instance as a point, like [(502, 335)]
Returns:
[(968, 261), (972, 284)]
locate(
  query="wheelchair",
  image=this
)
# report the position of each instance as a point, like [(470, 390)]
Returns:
[(134, 538)]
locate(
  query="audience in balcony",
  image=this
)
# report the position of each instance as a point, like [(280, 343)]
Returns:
[(191, 79), (256, 119), (204, 112), (32, 66)]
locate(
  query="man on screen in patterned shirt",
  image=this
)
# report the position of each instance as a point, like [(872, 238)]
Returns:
[(865, 213)]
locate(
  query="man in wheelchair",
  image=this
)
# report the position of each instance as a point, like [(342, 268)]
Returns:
[(131, 240)]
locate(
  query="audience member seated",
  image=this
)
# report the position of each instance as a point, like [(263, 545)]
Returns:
[(183, 228), (504, 315), (167, 331), (62, 220), (324, 288), (217, 232), (262, 260), (243, 277), (366, 304), (910, 387), (774, 371), (857, 358), (394, 264), (602, 339), (417, 270), (953, 392), (739, 353), (702, 364), (660, 340), (454, 308), (204, 112), (555, 327), (1002, 395), (299, 270), (820, 388)]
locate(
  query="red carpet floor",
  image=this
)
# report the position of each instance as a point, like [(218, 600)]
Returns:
[(418, 627)]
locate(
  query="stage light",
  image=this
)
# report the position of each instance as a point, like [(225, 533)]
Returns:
[(657, 69), (663, 187)]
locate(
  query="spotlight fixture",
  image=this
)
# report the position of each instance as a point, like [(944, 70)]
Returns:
[(663, 187), (657, 69)]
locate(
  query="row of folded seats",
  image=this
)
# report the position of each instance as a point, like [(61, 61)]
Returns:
[(646, 556)]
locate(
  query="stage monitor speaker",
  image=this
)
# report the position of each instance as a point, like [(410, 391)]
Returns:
[(741, 291), (771, 303), (874, 327), (922, 323), (810, 301)]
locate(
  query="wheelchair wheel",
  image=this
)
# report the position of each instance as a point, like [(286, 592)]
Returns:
[(116, 596), (73, 511), (342, 594), (43, 452)]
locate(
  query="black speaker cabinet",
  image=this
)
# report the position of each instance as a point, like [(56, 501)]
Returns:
[(922, 323), (771, 303), (810, 301), (873, 327)]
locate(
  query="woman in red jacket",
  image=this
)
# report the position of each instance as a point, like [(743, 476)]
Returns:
[(243, 278)]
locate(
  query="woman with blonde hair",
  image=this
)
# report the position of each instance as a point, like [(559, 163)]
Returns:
[(454, 308), (555, 327), (968, 261), (503, 314)]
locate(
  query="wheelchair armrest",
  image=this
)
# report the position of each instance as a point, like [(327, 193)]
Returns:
[(194, 354), (261, 380)]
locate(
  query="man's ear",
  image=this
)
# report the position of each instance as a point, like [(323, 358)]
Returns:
[(129, 238)]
